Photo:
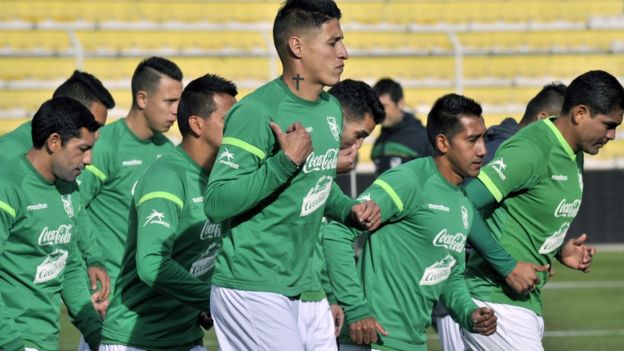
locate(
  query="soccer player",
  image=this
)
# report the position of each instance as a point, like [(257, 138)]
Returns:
[(164, 282), (273, 187), (417, 254), (39, 261), (535, 185)]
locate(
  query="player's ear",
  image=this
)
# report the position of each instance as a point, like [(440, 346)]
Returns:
[(579, 114), (196, 124), (54, 143), (295, 46), (141, 99), (442, 143)]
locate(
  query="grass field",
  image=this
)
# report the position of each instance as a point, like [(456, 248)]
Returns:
[(581, 311)]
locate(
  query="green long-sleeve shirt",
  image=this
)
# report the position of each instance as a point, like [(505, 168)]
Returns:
[(274, 208), (164, 281), (39, 261)]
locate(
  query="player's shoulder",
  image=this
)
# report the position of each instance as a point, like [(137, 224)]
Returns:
[(413, 173), (166, 173)]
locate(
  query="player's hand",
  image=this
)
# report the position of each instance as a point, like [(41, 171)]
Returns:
[(98, 274), (100, 306), (339, 316), (576, 255), (346, 159), (523, 277), (205, 320), (296, 142), (365, 331), (483, 321), (366, 215)]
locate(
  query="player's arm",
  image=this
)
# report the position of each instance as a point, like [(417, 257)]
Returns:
[(246, 171), (338, 206), (464, 311), (155, 239), (9, 337), (91, 253), (77, 298)]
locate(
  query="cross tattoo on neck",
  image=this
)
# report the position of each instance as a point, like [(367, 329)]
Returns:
[(297, 79)]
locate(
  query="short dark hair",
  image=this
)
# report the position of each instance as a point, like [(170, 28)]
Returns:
[(549, 99), (357, 99), (390, 87), (296, 15), (198, 98), (62, 115), (148, 73), (85, 88), (598, 90), (445, 114)]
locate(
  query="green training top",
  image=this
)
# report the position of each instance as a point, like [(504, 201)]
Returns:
[(274, 208), (168, 261), (119, 159), (39, 261), (18, 142), (415, 257), (536, 180)]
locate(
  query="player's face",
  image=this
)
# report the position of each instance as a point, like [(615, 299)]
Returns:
[(394, 110), (324, 53), (100, 112), (467, 148), (70, 159), (161, 105), (212, 131), (355, 131), (596, 131)]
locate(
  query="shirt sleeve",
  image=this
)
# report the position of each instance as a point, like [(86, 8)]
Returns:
[(9, 337), (98, 173), (87, 243), (246, 170), (77, 299), (155, 239), (456, 297), (338, 205), (515, 166)]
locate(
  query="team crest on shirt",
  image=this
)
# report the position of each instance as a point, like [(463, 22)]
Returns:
[(465, 219), (333, 127), (438, 272), (156, 218), (67, 205), (499, 166), (226, 158)]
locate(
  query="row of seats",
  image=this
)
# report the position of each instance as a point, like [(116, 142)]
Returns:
[(363, 11), (117, 41)]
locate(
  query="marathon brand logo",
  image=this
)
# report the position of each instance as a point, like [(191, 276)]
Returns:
[(438, 272), (210, 231), (559, 177), (455, 242), (333, 127), (554, 241), (325, 162), (226, 158), (36, 207), (364, 197), (67, 205), (60, 235), (51, 267), (499, 166), (156, 218), (568, 209), (438, 207), (198, 200), (317, 196), (129, 163)]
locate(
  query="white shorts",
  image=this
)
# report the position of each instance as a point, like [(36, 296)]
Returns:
[(252, 320), (450, 334), (130, 348), (517, 329)]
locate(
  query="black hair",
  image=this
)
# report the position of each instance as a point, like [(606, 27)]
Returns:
[(295, 15), (357, 99), (148, 73), (598, 90), (445, 115), (62, 115), (198, 98), (549, 99), (85, 88), (390, 87)]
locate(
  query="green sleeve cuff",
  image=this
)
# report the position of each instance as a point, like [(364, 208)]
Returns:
[(357, 313), (282, 166), (15, 345)]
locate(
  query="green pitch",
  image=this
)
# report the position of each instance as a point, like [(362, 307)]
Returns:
[(581, 311)]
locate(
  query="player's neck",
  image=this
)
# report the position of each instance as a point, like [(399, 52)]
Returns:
[(567, 131), (200, 152), (41, 162), (137, 123), (446, 170), (301, 85)]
